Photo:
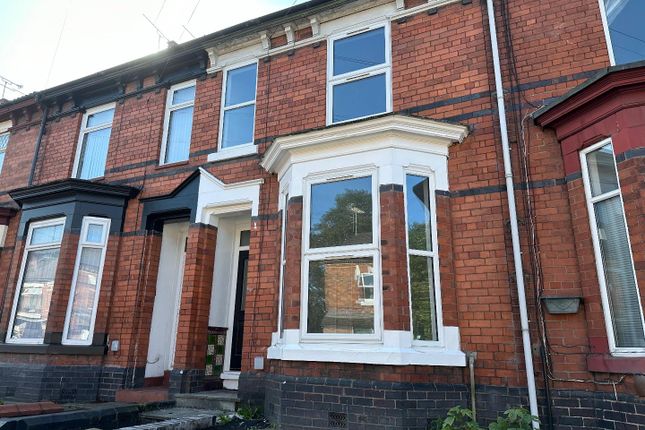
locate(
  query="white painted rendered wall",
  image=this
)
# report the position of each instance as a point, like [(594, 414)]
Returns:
[(163, 331)]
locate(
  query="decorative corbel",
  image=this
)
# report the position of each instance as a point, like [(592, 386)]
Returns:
[(289, 31), (212, 57), (400, 4), (315, 25), (266, 42)]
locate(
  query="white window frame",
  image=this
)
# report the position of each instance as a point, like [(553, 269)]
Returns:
[(605, 26), (85, 130), (166, 119), (284, 205), (371, 250), (600, 269), (83, 243), (25, 254), (434, 254), (244, 148), (385, 68), (4, 151)]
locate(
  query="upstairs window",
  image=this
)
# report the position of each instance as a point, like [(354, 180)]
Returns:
[(614, 262), (178, 123), (624, 28), (4, 141), (238, 106), (359, 74), (84, 296), (341, 256), (36, 282), (94, 141)]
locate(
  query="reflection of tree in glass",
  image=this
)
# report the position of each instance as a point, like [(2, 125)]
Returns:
[(424, 326), (349, 222), (317, 308)]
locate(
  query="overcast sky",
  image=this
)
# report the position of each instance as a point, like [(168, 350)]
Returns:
[(44, 43)]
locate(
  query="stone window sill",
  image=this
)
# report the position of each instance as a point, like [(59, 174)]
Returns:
[(395, 350)]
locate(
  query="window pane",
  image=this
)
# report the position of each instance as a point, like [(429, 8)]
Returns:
[(336, 303), (94, 154), (183, 95), (47, 234), (424, 321), (238, 126), (4, 140), (602, 170), (35, 295), (418, 208), (1, 160), (622, 291), (94, 233), (245, 238), (100, 118), (359, 98), (179, 131), (80, 320), (240, 85), (341, 213), (359, 52), (626, 30)]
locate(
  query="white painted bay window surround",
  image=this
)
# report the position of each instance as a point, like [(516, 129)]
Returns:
[(359, 74), (237, 122), (614, 261), (624, 30), (178, 123), (86, 283), (338, 172), (93, 142), (35, 286)]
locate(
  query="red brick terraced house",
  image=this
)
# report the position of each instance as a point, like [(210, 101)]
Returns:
[(356, 213)]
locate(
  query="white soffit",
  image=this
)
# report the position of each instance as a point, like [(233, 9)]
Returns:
[(392, 131)]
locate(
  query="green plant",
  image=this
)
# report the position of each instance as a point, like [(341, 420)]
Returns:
[(514, 419), (458, 418), (248, 412), (224, 419)]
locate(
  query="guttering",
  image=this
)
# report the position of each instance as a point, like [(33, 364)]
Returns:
[(512, 210), (41, 132)]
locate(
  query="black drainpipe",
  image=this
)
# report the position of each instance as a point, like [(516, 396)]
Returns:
[(41, 132)]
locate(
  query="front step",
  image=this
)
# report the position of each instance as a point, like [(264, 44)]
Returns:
[(142, 395), (218, 400)]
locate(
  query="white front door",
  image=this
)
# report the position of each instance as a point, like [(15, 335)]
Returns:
[(165, 313)]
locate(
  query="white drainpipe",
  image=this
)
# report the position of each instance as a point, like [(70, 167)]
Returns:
[(515, 235)]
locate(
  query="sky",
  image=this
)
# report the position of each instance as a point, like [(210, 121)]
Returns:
[(44, 43)]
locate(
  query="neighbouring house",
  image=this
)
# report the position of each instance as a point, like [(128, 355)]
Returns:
[(338, 210)]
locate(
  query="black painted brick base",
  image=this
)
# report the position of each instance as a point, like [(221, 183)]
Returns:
[(116, 378), (323, 403), (186, 380)]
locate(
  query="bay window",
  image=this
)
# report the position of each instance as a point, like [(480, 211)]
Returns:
[(86, 283), (238, 106), (359, 70), (614, 262), (32, 301), (178, 123), (94, 141), (341, 253)]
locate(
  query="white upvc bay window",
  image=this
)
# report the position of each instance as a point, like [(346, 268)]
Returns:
[(178, 123), (341, 250), (35, 286), (359, 74), (86, 283), (93, 142), (614, 261)]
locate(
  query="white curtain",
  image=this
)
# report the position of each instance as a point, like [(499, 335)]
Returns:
[(94, 154), (179, 130)]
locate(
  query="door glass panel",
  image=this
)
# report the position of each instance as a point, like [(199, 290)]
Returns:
[(337, 302), (245, 238)]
